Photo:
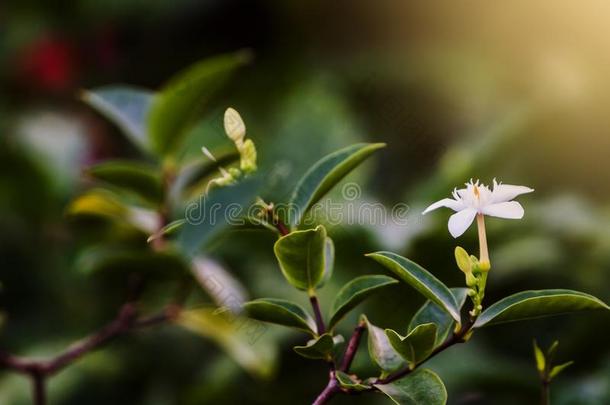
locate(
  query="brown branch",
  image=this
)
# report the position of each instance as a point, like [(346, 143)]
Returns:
[(125, 321), (38, 385), (318, 314), (331, 389), (352, 347)]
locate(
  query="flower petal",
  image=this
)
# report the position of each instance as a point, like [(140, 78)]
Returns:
[(460, 221), (445, 202), (506, 192), (509, 210)]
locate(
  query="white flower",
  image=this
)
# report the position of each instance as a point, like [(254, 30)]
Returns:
[(479, 199)]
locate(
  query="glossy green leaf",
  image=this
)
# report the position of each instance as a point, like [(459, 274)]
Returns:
[(354, 292), (324, 175), (420, 279), (208, 216), (381, 351), (558, 369), (302, 257), (127, 107), (134, 177), (280, 312), (318, 348), (537, 304), (178, 104), (329, 262), (346, 381), (432, 313), (241, 338), (417, 345), (422, 387)]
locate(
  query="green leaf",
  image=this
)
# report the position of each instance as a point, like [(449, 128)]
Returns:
[(537, 304), (302, 257), (242, 339), (417, 345), (346, 381), (280, 312), (558, 369), (221, 286), (540, 361), (330, 262), (178, 104), (420, 279), (432, 313), (381, 351), (111, 258), (550, 353), (103, 204), (99, 203), (134, 177), (167, 230), (127, 107), (422, 387), (214, 212), (324, 175), (318, 348), (354, 292)]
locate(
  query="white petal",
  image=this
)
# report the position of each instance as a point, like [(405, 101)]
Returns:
[(445, 202), (509, 210), (460, 221), (506, 192)]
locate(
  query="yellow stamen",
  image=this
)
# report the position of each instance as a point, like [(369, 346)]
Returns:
[(477, 194)]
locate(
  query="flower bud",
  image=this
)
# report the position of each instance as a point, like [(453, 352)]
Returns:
[(247, 153), (471, 280), (463, 260), (234, 126)]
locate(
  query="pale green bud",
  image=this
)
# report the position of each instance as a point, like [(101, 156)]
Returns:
[(471, 280), (247, 152), (462, 260), (234, 126)]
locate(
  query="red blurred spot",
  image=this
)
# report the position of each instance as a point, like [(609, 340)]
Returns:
[(49, 64)]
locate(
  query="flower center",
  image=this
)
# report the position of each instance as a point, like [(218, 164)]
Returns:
[(477, 194)]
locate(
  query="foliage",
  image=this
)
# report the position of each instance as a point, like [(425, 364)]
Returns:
[(161, 230)]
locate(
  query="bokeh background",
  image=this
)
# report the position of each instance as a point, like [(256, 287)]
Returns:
[(517, 90)]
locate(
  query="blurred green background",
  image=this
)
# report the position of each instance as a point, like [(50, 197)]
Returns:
[(516, 90)]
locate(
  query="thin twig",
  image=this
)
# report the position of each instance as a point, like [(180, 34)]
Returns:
[(39, 370), (331, 389), (318, 314), (545, 396), (352, 347), (38, 385)]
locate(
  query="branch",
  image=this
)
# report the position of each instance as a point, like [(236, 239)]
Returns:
[(125, 321), (352, 347), (318, 314), (332, 388)]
